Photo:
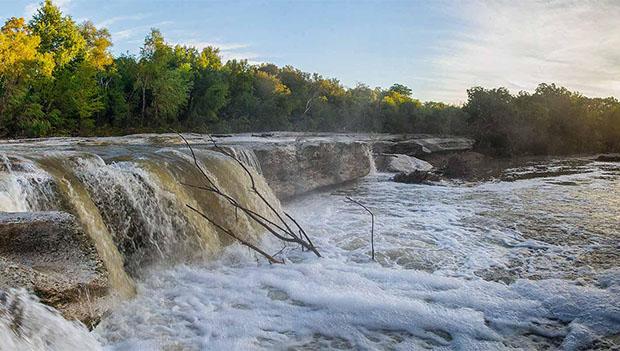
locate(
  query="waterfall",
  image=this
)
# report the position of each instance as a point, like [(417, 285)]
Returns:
[(24, 186), (82, 206), (26, 324), (133, 204), (371, 160), (247, 156)]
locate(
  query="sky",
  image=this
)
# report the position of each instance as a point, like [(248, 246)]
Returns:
[(437, 48)]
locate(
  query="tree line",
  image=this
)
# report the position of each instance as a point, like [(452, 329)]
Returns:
[(58, 77)]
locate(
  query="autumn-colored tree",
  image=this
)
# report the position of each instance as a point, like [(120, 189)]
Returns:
[(59, 78), (22, 69)]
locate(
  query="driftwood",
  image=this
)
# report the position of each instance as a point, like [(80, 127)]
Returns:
[(372, 224), (281, 230), (301, 232), (270, 258)]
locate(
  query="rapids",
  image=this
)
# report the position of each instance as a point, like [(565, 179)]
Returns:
[(499, 265), (503, 265)]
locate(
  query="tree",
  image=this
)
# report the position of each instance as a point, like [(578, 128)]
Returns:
[(59, 34), (22, 67), (491, 113), (164, 87), (400, 89), (73, 94)]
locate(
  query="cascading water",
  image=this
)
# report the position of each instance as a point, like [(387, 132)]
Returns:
[(27, 325), (500, 265), (136, 207), (79, 202), (247, 156), (24, 186), (371, 161)]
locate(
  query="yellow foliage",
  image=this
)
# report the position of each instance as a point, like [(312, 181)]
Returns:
[(268, 84), (97, 44), (18, 51), (395, 99)]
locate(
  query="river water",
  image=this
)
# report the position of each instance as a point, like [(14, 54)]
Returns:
[(525, 264), (521, 263)]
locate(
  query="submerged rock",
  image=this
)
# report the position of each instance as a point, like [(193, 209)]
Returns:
[(401, 163), (48, 254)]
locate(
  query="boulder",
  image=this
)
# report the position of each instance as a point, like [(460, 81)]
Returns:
[(401, 163), (609, 158), (421, 146), (294, 169), (457, 167), (48, 254), (416, 177)]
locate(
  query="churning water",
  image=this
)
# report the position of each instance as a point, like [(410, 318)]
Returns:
[(528, 264), (499, 265)]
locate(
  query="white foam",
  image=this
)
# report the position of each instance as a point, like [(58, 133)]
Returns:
[(424, 291), (266, 307), (27, 325)]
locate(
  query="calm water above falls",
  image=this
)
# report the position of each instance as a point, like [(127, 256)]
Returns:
[(529, 264)]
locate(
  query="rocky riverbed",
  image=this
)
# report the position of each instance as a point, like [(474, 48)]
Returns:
[(98, 227)]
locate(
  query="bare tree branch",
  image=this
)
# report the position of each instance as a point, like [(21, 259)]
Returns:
[(270, 258), (281, 231), (372, 224), (308, 245)]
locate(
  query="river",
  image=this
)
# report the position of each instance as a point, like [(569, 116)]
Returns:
[(528, 262), (548, 248)]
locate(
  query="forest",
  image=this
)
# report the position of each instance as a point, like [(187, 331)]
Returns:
[(59, 78)]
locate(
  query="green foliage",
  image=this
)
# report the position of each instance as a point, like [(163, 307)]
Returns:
[(59, 35), (59, 78), (552, 120)]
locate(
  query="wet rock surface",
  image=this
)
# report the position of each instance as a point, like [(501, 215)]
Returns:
[(295, 169), (423, 145), (609, 158), (400, 163), (416, 177), (48, 254)]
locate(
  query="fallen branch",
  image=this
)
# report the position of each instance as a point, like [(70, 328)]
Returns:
[(282, 231), (270, 258), (372, 224), (288, 230)]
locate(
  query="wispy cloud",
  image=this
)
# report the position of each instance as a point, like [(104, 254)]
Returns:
[(112, 20), (123, 34), (138, 31), (221, 45), (521, 44)]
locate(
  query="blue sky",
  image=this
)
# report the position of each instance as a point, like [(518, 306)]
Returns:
[(438, 48)]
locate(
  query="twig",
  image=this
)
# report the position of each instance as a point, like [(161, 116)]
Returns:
[(372, 224), (284, 233), (308, 245), (270, 258)]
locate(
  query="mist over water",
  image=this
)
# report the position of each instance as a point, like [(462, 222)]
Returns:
[(527, 264)]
